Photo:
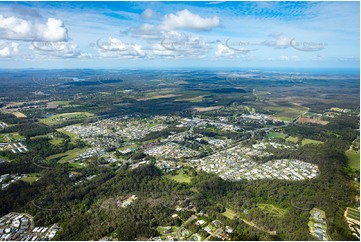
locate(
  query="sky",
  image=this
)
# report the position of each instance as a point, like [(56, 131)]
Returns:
[(179, 34)]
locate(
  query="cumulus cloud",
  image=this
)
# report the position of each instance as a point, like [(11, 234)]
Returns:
[(8, 49), (14, 28), (187, 20), (116, 48), (224, 51)]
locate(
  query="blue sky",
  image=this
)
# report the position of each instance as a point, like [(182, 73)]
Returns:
[(179, 34)]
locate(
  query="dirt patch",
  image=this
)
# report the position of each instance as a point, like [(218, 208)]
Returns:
[(19, 115), (304, 120), (205, 109)]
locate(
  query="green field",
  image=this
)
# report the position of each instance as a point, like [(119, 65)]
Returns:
[(67, 156), (31, 178), (60, 118), (56, 141), (229, 213), (311, 141), (276, 135), (286, 113), (353, 157), (77, 165), (272, 210), (292, 139), (10, 137), (180, 177)]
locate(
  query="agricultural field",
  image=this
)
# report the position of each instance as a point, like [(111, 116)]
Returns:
[(311, 141), (60, 118), (180, 177), (272, 210)]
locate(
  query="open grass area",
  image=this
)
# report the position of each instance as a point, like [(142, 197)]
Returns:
[(56, 141), (67, 156), (60, 118), (77, 165), (272, 210), (31, 178), (180, 177), (353, 157), (276, 135), (197, 99), (286, 113), (229, 213), (311, 141), (292, 139), (10, 137)]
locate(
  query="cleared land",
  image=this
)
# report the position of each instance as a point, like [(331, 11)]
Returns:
[(205, 109), (67, 156), (60, 118), (311, 141), (272, 210), (197, 99), (158, 97), (56, 104), (353, 157), (56, 141), (31, 178), (19, 115), (10, 137), (304, 120), (292, 139), (229, 213), (180, 177), (353, 214), (276, 135)]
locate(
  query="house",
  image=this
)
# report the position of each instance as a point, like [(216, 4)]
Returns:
[(168, 230), (229, 230), (216, 223)]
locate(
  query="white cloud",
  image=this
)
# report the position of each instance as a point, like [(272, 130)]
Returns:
[(179, 45), (116, 48), (224, 51), (278, 41), (149, 13), (15, 28), (55, 49), (8, 49), (146, 31), (187, 20)]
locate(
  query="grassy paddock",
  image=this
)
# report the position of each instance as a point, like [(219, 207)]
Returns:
[(229, 213), (353, 157), (180, 177), (311, 141), (276, 135), (272, 209)]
